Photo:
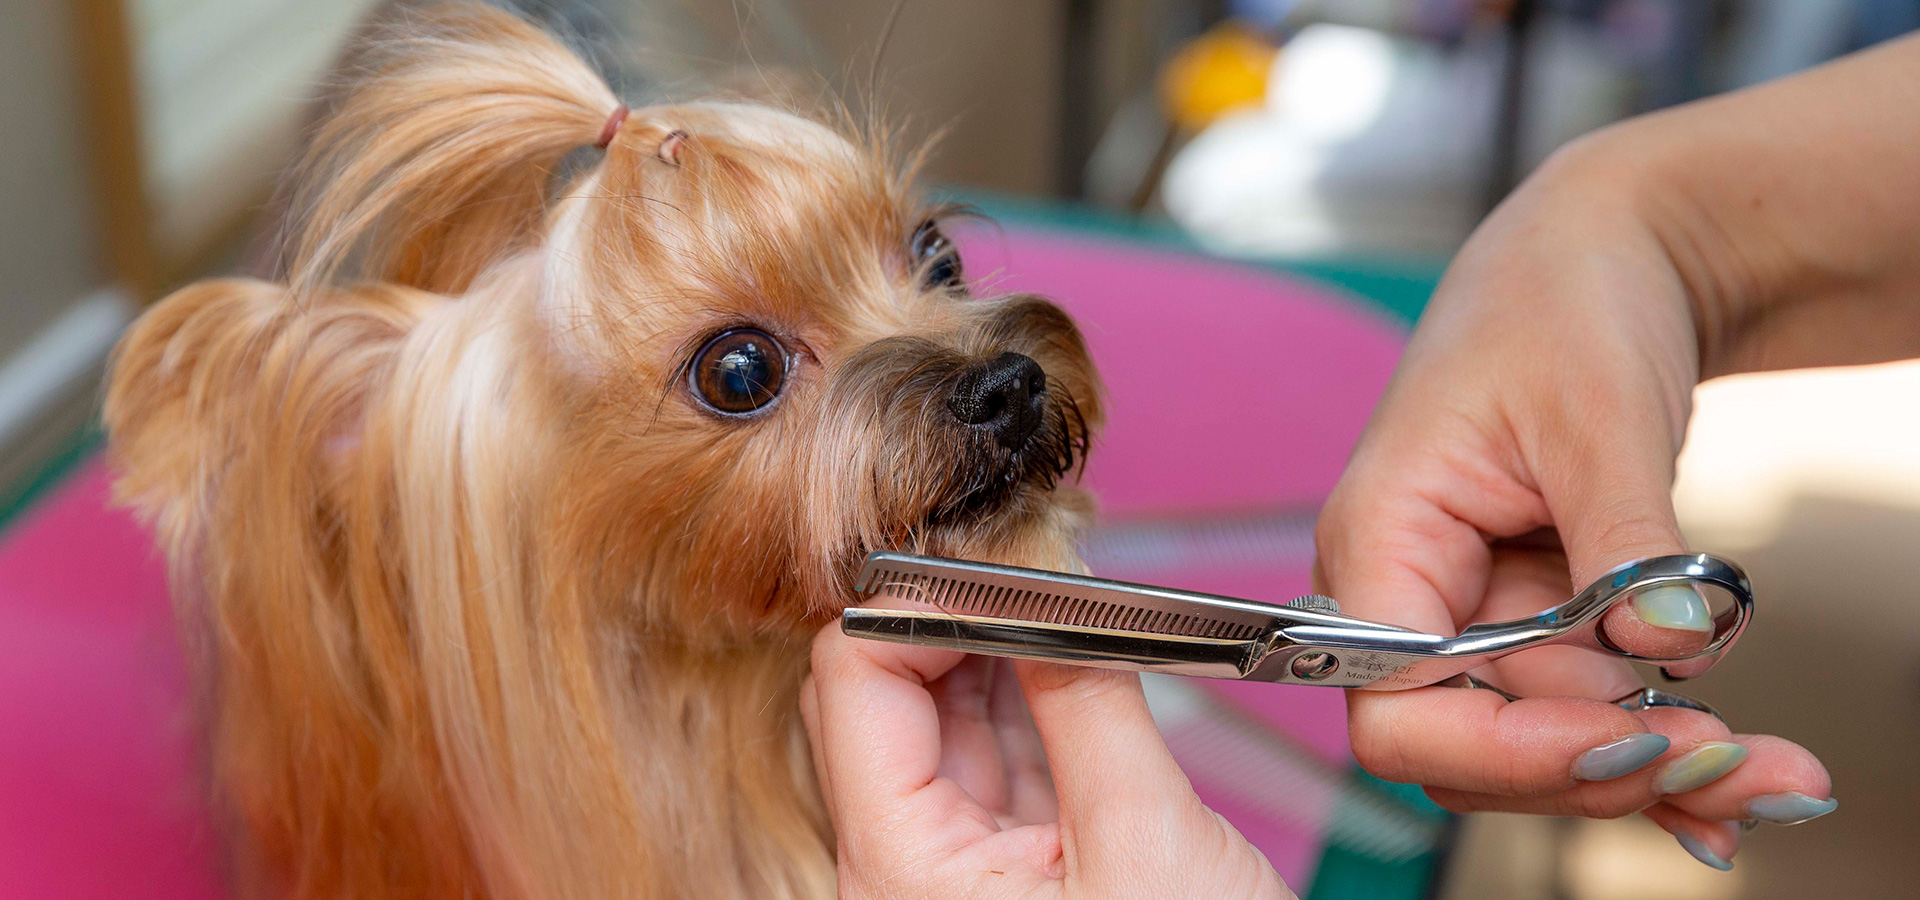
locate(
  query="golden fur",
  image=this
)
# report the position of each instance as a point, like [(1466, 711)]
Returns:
[(485, 603)]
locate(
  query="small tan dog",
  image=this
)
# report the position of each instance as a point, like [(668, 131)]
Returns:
[(501, 527)]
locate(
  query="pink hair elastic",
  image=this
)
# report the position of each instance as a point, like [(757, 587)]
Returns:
[(612, 127)]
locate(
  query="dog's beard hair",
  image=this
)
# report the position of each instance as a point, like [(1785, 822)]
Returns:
[(894, 471), (486, 604)]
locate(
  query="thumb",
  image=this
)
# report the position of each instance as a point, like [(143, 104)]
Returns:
[(1130, 823), (1116, 781), (1612, 502)]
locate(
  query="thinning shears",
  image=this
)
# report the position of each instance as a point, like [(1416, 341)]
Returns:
[(1007, 611)]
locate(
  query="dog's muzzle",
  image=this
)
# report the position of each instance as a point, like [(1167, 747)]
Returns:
[(1005, 397)]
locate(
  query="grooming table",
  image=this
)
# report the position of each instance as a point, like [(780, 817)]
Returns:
[(1231, 388)]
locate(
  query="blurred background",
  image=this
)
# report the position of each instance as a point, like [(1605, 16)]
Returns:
[(142, 139)]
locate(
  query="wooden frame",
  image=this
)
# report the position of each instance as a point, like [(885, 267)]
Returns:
[(116, 172), (191, 110)]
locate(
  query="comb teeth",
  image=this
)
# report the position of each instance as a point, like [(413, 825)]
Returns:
[(965, 597)]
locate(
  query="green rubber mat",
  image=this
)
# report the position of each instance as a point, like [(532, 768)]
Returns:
[(17, 498), (1343, 874)]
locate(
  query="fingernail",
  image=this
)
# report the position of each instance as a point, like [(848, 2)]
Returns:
[(1702, 852), (1680, 607), (1612, 760), (1700, 766), (1790, 808)]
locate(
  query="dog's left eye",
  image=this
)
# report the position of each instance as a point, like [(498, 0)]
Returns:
[(936, 256), (739, 371)]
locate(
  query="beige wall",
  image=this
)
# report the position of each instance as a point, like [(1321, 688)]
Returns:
[(985, 70)]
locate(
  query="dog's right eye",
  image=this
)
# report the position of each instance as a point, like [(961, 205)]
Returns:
[(739, 371), (933, 250)]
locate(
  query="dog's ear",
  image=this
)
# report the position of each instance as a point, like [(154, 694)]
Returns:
[(226, 372)]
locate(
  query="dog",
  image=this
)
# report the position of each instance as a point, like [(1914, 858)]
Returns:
[(501, 518)]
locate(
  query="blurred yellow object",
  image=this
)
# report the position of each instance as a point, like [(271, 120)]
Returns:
[(1217, 73)]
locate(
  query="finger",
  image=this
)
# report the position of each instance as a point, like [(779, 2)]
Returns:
[(1523, 582), (1393, 557), (969, 743), (1029, 782), (1780, 782), (1712, 843), (1612, 503), (879, 735), (1114, 776), (1475, 741), (1564, 671), (1684, 622), (1610, 500), (1699, 751)]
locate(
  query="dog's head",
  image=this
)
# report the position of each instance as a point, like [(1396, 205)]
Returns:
[(700, 358)]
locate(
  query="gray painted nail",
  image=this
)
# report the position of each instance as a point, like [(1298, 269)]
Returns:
[(1701, 766), (1626, 755), (1702, 852), (1790, 808), (1677, 606)]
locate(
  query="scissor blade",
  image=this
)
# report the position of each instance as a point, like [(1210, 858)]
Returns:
[(1076, 645), (987, 590)]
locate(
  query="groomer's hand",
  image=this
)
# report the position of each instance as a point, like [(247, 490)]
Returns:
[(1542, 401), (941, 784), (1526, 444)]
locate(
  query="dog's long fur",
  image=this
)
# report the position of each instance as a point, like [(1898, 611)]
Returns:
[(485, 603)]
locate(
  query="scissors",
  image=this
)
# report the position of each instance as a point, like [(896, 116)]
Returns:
[(1008, 611)]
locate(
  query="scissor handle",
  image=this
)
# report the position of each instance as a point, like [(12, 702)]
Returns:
[(1381, 660), (1623, 582)]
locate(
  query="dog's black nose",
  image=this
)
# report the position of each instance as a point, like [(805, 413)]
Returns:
[(1006, 395)]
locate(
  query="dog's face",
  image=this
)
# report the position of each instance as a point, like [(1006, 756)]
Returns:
[(774, 365)]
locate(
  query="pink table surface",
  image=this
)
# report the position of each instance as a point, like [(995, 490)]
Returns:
[(1229, 388)]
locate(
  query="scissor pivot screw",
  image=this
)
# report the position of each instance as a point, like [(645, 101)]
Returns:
[(1314, 665)]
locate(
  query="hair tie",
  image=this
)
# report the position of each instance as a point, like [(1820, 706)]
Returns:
[(612, 127)]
